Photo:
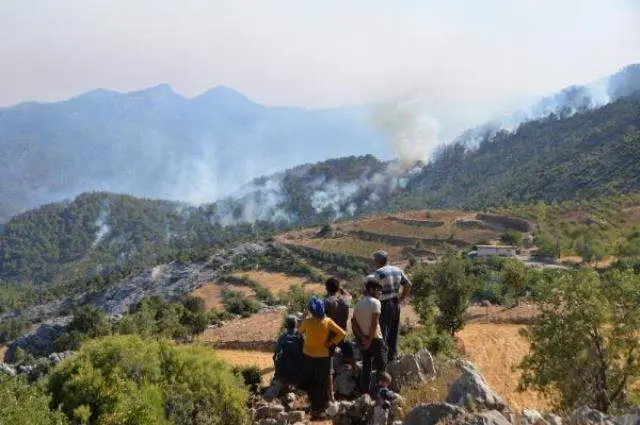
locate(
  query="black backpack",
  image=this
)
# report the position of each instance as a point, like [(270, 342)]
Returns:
[(289, 359)]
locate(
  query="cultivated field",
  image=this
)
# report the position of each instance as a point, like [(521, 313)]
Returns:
[(352, 246), (212, 293), (276, 282), (495, 349)]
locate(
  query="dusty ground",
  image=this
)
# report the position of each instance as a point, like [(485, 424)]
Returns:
[(276, 282), (212, 293), (522, 314), (495, 349)]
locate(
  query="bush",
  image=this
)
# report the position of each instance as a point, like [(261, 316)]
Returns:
[(251, 376), (412, 340), (237, 303), (127, 379), (25, 404), (296, 298), (12, 328), (511, 237)]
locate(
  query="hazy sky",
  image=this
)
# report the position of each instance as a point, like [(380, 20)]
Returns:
[(472, 54)]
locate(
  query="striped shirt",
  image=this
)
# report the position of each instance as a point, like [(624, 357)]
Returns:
[(391, 278)]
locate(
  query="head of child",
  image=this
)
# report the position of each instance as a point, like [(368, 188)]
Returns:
[(290, 323), (384, 380)]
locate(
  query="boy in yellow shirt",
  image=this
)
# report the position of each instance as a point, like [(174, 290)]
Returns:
[(316, 330)]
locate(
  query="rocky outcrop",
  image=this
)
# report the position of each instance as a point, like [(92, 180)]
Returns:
[(412, 370), (38, 343), (471, 388), (433, 413)]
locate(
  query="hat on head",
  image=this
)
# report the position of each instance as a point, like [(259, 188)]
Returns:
[(380, 255), (316, 307)]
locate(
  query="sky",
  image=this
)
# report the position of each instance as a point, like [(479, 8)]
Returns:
[(471, 56)]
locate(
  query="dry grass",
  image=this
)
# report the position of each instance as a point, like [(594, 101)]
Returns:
[(276, 282), (3, 350), (352, 246), (212, 294), (263, 326), (521, 314), (263, 360), (495, 349), (433, 391)]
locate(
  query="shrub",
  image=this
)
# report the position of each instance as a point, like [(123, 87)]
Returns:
[(25, 404), (251, 376), (127, 379), (511, 237), (237, 303)]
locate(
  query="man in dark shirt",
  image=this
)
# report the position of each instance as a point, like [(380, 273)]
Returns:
[(336, 306)]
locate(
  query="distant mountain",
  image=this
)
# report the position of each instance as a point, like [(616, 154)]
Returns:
[(156, 143)]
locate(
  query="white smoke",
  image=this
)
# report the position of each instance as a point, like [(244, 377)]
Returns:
[(412, 127), (332, 194), (103, 227)]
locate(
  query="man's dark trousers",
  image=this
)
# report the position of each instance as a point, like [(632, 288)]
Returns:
[(389, 325), (375, 358)]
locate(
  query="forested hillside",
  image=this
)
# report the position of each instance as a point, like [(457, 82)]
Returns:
[(595, 153)]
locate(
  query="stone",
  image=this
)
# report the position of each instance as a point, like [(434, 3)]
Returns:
[(471, 387), (432, 413), (411, 370), (268, 421), (553, 419), (491, 417), (628, 419), (295, 416), (38, 343), (585, 415), (269, 411), (533, 417), (345, 382), (7, 369)]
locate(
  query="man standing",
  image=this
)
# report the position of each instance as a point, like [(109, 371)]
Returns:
[(395, 289), (365, 324)]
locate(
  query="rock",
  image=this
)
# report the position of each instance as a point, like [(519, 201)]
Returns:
[(412, 370), (472, 388), (491, 417), (38, 344), (628, 419), (7, 369), (290, 398), (345, 382), (585, 415), (533, 417), (357, 412), (553, 419), (268, 421), (430, 414), (269, 411), (295, 416), (56, 358)]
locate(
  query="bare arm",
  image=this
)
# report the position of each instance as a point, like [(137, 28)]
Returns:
[(356, 329), (406, 287)]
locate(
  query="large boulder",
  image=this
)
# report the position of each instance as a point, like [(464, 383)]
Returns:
[(38, 344), (345, 382), (430, 414), (357, 412), (533, 417), (491, 417), (471, 388), (587, 416), (412, 370)]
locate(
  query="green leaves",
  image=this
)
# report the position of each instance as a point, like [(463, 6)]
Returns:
[(584, 343)]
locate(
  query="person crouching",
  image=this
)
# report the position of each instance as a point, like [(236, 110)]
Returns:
[(316, 330)]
